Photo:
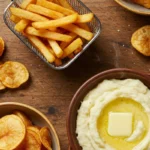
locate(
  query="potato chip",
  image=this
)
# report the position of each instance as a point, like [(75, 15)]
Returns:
[(2, 45), (12, 132), (45, 138), (13, 74), (141, 40), (31, 141), (23, 117), (2, 87), (34, 129)]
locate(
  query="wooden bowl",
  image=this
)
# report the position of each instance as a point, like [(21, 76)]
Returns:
[(34, 115), (134, 7), (89, 85)]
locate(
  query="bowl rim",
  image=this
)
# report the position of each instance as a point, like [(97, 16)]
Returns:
[(86, 83), (34, 49), (36, 111), (133, 10)]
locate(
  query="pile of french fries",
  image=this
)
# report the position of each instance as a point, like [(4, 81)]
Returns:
[(53, 27)]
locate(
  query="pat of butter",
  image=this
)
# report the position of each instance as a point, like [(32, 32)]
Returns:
[(120, 124)]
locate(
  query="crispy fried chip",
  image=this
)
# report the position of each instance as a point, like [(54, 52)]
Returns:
[(2, 45), (34, 129), (32, 141), (45, 138), (141, 40), (13, 74), (145, 3), (2, 87), (12, 132), (23, 117)]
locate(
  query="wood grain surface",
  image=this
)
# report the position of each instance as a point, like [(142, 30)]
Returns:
[(51, 91)]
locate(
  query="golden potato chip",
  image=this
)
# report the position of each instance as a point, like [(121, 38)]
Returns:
[(45, 138), (12, 132), (23, 117), (2, 45), (31, 141), (34, 129), (141, 40), (2, 87), (13, 74)]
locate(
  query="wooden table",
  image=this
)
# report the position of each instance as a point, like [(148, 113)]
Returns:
[(51, 91)]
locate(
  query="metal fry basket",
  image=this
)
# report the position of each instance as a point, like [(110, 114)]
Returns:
[(94, 25)]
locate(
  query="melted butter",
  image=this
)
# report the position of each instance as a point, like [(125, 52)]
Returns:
[(122, 105)]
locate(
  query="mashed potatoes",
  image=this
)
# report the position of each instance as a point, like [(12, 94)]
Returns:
[(129, 96)]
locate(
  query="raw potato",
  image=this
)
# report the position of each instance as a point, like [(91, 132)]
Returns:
[(23, 117), (2, 87), (2, 45), (13, 74), (45, 138), (141, 40), (12, 132)]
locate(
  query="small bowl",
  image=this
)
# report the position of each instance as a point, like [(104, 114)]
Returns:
[(34, 115), (94, 25), (135, 8), (89, 85)]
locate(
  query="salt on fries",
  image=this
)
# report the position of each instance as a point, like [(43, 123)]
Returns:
[(16, 134), (13, 74), (53, 27)]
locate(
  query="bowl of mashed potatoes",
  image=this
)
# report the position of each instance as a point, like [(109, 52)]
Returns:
[(111, 111)]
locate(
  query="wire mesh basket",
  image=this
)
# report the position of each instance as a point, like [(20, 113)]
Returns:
[(94, 25)]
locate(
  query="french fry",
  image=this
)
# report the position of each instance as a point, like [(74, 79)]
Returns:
[(42, 48), (65, 44), (78, 50), (14, 18), (55, 23), (48, 34), (85, 18), (71, 56), (79, 31), (84, 26), (55, 7), (56, 2), (44, 11), (57, 61), (27, 15), (65, 4), (25, 3), (56, 48), (21, 25), (72, 47)]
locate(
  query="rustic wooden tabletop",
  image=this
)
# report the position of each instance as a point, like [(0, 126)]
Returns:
[(51, 91)]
